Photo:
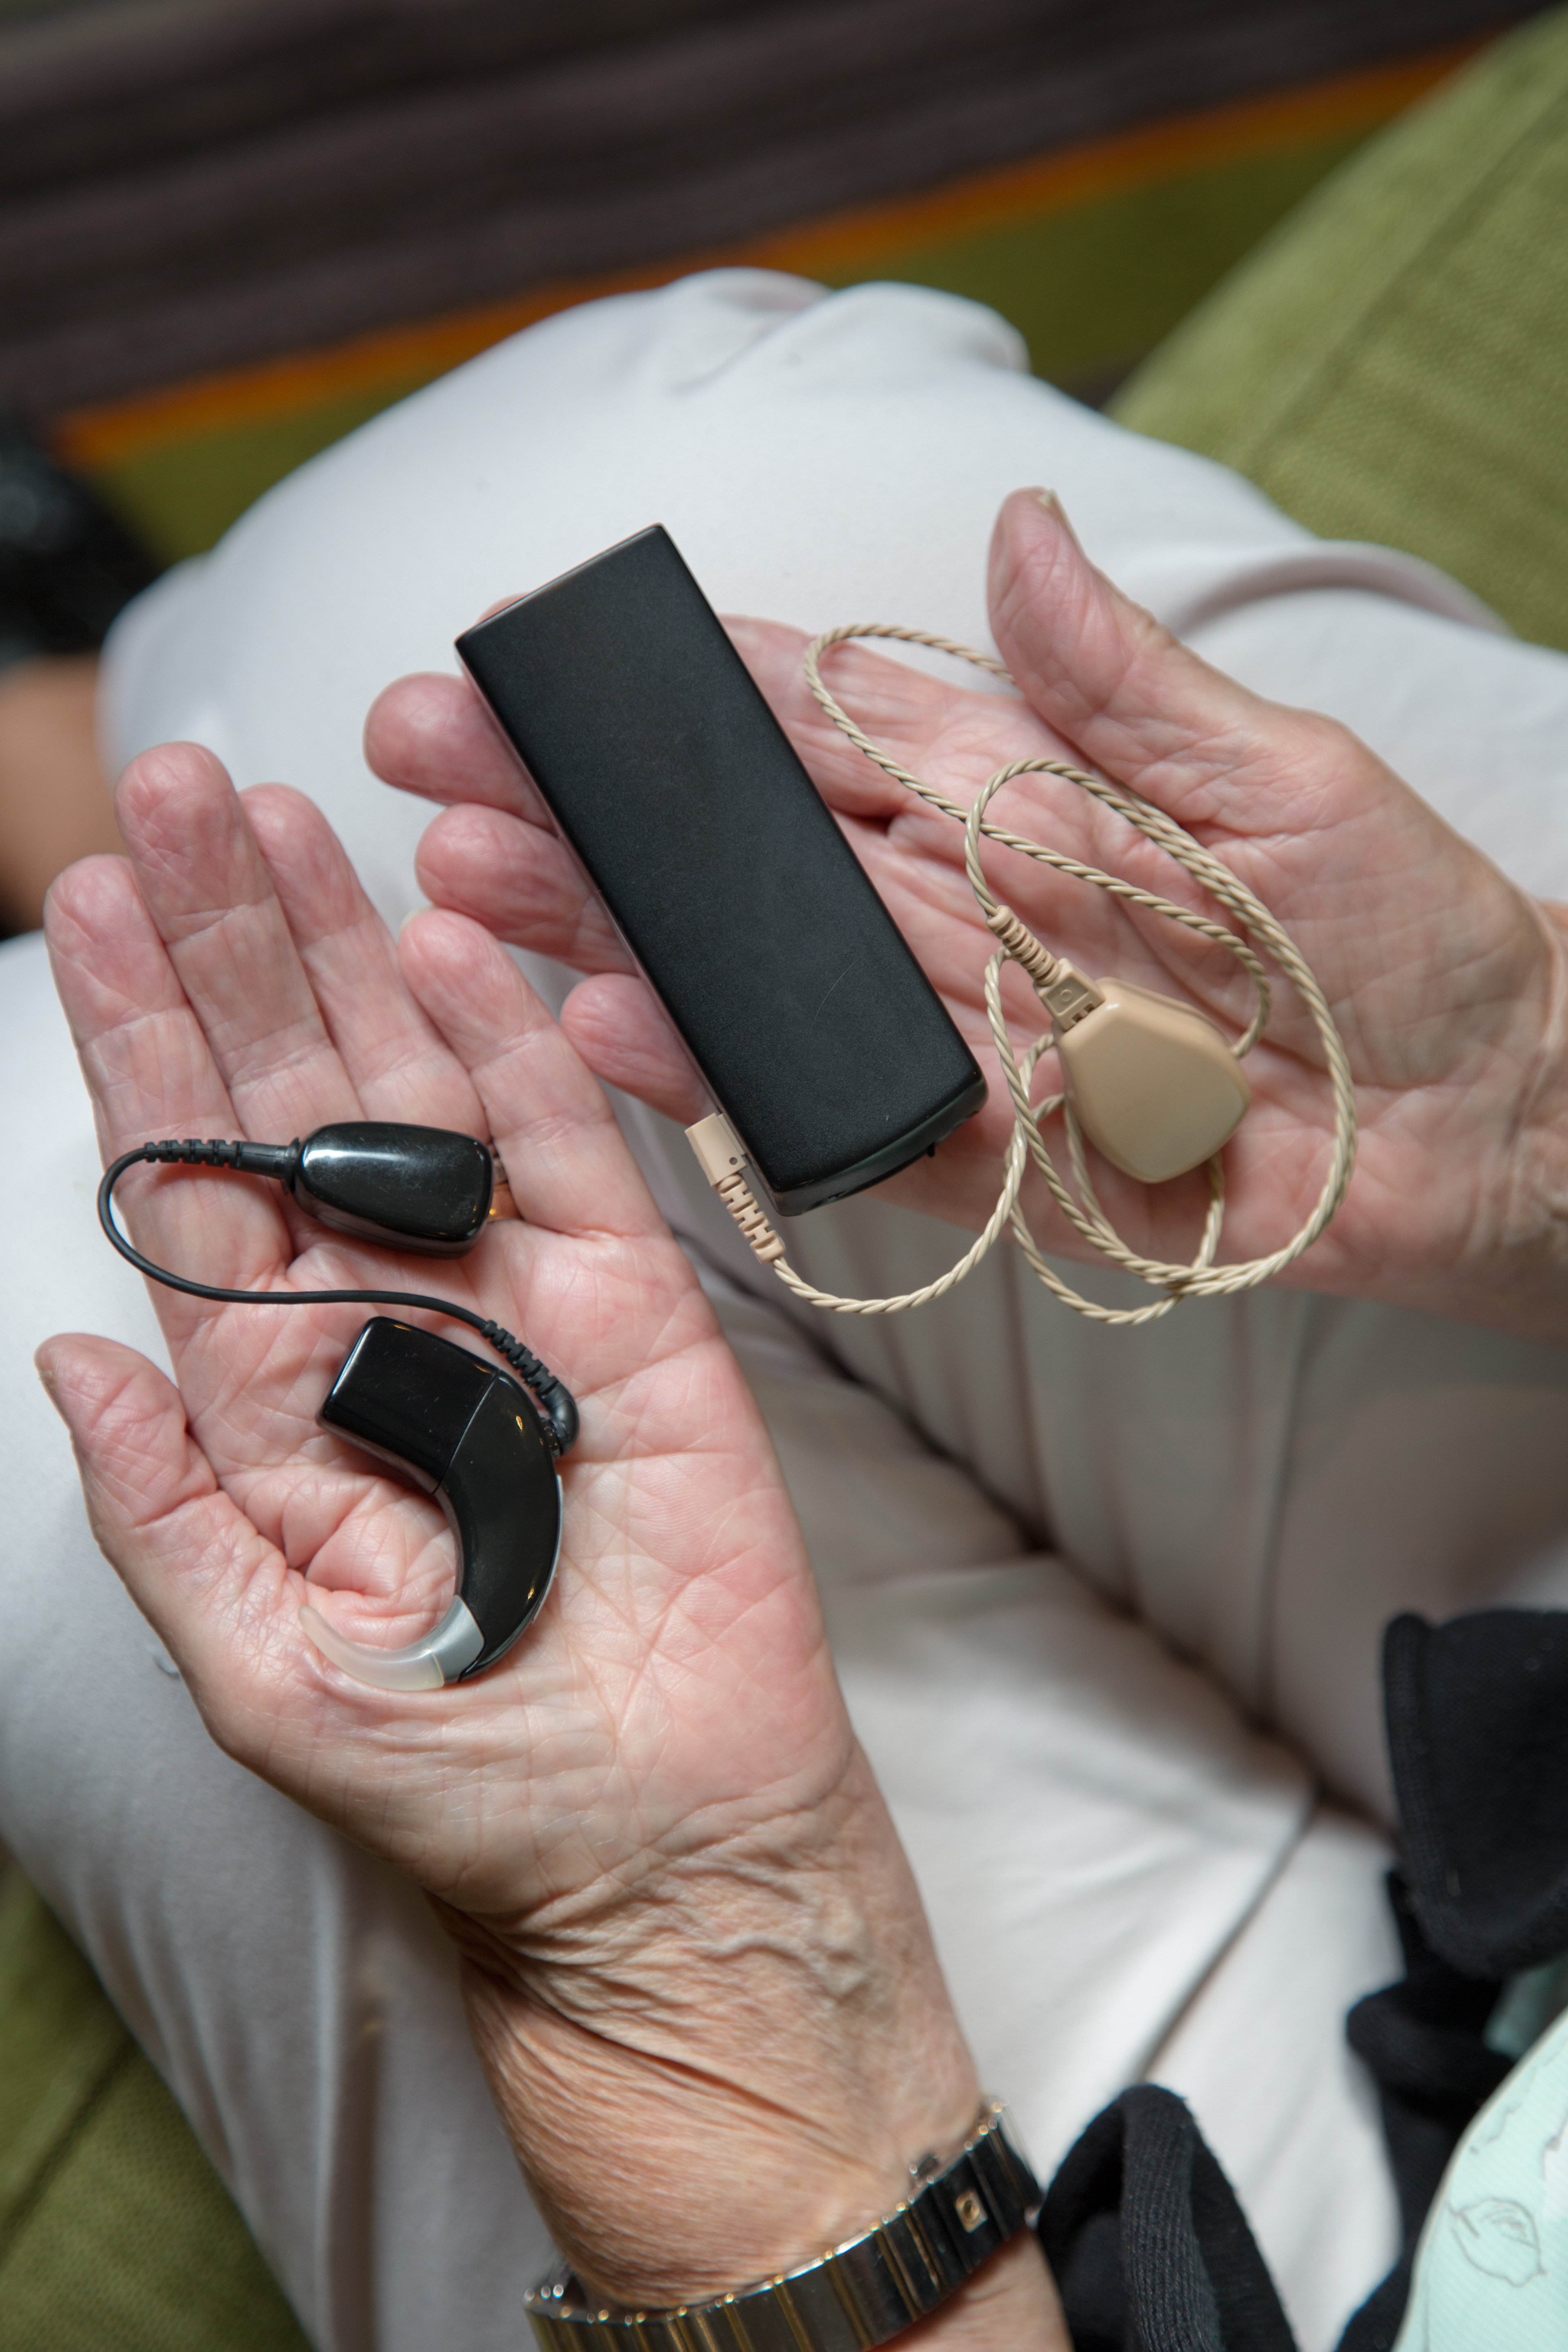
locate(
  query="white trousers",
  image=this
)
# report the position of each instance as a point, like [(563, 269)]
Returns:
[(1106, 1603)]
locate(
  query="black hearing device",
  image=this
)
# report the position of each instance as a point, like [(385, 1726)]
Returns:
[(484, 1443), (724, 872), (469, 1435), (420, 1188)]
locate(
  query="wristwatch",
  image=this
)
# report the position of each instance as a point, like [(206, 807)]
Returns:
[(862, 2294)]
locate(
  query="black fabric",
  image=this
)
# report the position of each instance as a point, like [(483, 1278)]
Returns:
[(1149, 2250), (1478, 1734), (67, 566), (1148, 2244)]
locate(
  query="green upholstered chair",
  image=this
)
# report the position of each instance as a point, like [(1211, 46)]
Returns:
[(1390, 365), (116, 2234)]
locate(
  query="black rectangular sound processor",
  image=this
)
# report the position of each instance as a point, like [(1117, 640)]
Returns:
[(724, 872)]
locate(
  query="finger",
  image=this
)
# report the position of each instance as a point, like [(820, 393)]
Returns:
[(519, 882), (894, 703), (214, 1589), (954, 738), (396, 1061), (431, 734), (1140, 705), (151, 1073), (207, 889), (569, 1169), (945, 731), (218, 1591), (623, 1035)]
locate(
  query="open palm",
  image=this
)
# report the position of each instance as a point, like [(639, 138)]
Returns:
[(650, 1825), (1440, 974), (611, 1738)]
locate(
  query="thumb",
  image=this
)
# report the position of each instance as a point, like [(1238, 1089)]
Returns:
[(178, 1543), (1139, 705)]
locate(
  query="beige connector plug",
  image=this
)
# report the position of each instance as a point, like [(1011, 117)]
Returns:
[(717, 1146), (1154, 1085), (722, 1161)]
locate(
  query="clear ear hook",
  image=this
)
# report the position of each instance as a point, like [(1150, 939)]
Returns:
[(437, 1658)]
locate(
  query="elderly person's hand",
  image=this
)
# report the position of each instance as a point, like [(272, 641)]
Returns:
[(1448, 984), (698, 1968)]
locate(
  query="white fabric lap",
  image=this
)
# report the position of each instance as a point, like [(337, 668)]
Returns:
[(1265, 1480), (814, 459)]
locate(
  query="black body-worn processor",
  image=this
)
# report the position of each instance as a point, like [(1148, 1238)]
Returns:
[(724, 872)]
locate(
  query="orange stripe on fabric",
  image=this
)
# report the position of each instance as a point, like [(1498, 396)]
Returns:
[(1127, 161), (403, 357)]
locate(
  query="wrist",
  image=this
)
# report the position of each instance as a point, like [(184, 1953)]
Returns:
[(734, 2069), (1012, 2302), (955, 2266)]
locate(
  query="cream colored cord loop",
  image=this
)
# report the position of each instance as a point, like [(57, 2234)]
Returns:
[(1068, 997), (1007, 1202)]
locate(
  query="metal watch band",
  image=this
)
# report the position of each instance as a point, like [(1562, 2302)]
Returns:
[(864, 2293)]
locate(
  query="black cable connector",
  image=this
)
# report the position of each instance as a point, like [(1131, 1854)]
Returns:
[(417, 1187), (279, 1159)]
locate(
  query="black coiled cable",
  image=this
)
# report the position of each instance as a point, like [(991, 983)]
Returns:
[(555, 1401)]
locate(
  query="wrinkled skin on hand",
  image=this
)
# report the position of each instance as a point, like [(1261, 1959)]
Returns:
[(691, 1933), (287, 1007), (1448, 984)]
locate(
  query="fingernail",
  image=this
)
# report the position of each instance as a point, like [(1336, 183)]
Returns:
[(1058, 512)]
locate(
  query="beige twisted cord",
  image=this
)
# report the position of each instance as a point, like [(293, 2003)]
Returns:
[(1201, 1277)]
